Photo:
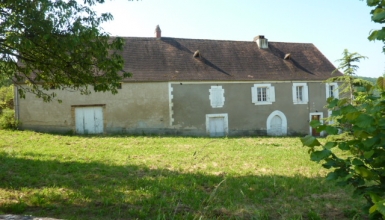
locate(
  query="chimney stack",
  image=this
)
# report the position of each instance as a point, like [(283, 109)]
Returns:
[(261, 42), (158, 32)]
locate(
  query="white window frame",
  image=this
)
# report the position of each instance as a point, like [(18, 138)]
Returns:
[(270, 94), (305, 93), (217, 96), (262, 94), (335, 90)]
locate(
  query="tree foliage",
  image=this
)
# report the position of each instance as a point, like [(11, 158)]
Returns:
[(354, 150), (57, 43), (7, 114), (348, 62), (349, 67), (378, 16), (372, 80), (5, 80), (6, 97), (355, 154)]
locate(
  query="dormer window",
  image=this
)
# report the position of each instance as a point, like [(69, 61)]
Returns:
[(287, 56), (197, 54)]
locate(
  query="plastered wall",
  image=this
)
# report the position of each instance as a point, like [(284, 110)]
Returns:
[(178, 108), (191, 103), (137, 107)]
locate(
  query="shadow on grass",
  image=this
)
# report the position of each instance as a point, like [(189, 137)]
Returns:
[(73, 190)]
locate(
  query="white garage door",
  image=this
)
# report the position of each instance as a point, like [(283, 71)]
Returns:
[(89, 120)]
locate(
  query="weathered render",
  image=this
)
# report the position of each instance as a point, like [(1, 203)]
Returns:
[(191, 104), (198, 87), (137, 107)]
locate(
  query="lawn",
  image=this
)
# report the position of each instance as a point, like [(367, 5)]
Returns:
[(151, 177)]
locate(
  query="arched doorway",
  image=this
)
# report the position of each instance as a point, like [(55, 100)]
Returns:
[(276, 124)]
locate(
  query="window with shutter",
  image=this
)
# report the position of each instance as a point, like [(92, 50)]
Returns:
[(262, 94), (300, 93), (332, 90)]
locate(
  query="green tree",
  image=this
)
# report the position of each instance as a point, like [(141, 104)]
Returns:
[(356, 153), (347, 62), (378, 16), (349, 78), (372, 80), (57, 43), (5, 81)]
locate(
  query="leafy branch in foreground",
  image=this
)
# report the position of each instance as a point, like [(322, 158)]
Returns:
[(378, 16), (355, 147), (58, 44)]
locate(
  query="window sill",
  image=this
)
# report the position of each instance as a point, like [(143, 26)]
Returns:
[(263, 103), (300, 103)]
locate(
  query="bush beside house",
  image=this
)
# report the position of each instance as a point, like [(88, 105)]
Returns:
[(7, 115)]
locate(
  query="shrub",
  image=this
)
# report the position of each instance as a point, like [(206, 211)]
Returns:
[(7, 119), (355, 148), (6, 97)]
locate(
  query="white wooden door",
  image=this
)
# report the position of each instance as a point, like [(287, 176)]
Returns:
[(89, 120), (276, 125), (217, 126)]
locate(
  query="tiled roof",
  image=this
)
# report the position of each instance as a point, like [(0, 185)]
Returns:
[(171, 59)]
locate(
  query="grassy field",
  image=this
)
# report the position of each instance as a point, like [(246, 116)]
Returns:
[(123, 177)]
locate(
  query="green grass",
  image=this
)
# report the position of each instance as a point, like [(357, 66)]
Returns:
[(122, 177)]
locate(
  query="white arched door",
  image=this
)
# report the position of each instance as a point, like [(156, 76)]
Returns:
[(276, 124)]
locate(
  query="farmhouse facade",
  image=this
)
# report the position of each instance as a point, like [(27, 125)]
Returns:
[(198, 87)]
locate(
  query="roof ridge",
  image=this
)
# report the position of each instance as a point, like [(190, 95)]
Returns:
[(202, 39)]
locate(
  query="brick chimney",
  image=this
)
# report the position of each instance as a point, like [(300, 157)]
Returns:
[(261, 42), (158, 32)]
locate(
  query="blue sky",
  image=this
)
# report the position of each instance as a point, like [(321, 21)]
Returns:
[(331, 25)]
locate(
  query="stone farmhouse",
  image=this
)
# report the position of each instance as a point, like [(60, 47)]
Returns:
[(198, 87)]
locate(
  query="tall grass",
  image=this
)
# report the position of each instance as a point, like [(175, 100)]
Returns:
[(121, 177)]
